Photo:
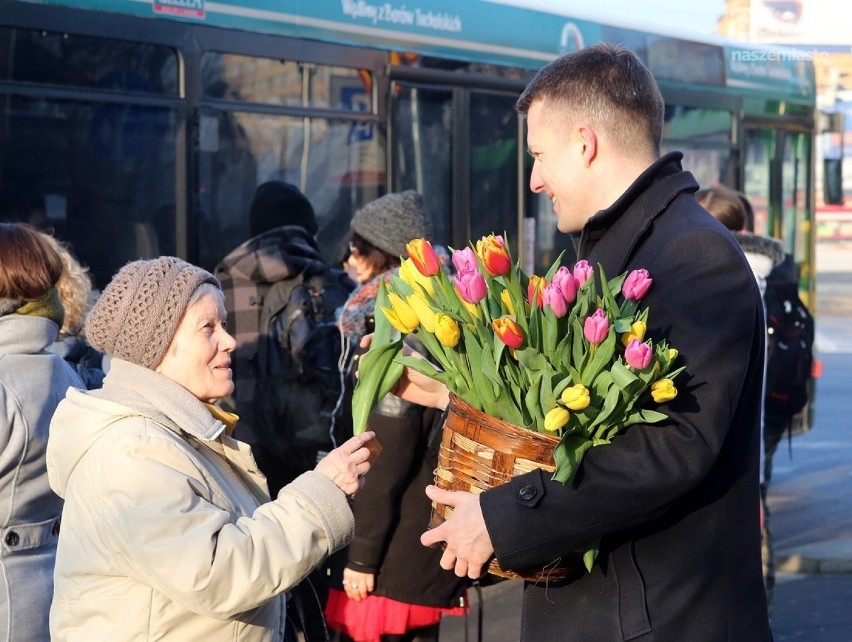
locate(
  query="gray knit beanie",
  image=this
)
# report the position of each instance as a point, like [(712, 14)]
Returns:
[(391, 221), (137, 314)]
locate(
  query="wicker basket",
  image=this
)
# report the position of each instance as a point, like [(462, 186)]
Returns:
[(479, 452)]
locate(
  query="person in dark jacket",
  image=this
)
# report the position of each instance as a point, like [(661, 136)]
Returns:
[(674, 504), (392, 589)]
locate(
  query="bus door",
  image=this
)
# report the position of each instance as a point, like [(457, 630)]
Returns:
[(463, 148), (777, 170)]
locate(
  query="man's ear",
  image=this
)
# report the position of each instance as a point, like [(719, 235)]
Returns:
[(589, 143)]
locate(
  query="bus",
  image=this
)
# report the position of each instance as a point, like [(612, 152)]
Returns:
[(135, 128)]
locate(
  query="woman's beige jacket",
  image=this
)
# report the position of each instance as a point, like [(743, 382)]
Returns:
[(167, 531)]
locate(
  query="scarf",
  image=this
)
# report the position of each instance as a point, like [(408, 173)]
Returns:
[(228, 418), (48, 306), (361, 305)]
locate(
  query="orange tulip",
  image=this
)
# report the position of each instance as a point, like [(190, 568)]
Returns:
[(535, 290), (494, 255), (423, 256), (509, 332)]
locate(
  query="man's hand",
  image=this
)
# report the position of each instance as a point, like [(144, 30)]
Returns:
[(469, 547)]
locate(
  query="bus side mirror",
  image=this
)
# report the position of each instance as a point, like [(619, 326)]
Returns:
[(832, 181)]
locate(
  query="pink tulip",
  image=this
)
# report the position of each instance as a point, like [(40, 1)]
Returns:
[(636, 285), (567, 284), (638, 354), (471, 286), (582, 272), (554, 300), (596, 327), (465, 260)]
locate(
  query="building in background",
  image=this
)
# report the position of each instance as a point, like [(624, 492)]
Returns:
[(820, 29)]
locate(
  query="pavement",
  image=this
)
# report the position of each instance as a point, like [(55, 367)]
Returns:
[(810, 498)]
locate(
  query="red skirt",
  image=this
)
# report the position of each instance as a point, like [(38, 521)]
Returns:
[(369, 619)]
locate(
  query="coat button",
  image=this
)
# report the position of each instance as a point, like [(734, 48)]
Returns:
[(12, 538), (527, 493)]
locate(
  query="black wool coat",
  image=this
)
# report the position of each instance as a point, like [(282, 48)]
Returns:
[(674, 503), (392, 510)]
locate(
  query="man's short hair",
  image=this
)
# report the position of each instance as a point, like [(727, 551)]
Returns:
[(607, 84)]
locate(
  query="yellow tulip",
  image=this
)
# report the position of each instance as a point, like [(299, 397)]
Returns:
[(423, 311), (471, 308), (556, 418), (576, 397), (637, 331), (409, 273), (400, 315), (672, 354), (507, 301), (663, 390), (447, 330)]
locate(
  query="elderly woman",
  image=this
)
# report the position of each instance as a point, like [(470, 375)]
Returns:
[(32, 382), (168, 530)]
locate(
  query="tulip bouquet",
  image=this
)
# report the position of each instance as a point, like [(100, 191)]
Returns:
[(548, 353)]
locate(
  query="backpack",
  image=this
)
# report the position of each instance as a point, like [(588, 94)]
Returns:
[(299, 411), (789, 350), (290, 363)]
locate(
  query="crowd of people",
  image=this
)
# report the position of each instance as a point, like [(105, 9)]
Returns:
[(146, 500)]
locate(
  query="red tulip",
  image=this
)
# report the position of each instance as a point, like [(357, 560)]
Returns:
[(494, 255), (423, 256), (509, 332), (535, 290)]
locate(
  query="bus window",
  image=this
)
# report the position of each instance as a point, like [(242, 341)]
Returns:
[(459, 148), (422, 151), (337, 164), (83, 62), (285, 82), (494, 166), (794, 179), (101, 171), (759, 152), (709, 166)]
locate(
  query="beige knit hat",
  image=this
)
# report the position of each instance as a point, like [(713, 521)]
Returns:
[(138, 313)]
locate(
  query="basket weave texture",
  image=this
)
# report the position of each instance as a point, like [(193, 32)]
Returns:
[(478, 452)]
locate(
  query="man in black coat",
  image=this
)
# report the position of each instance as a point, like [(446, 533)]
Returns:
[(675, 504)]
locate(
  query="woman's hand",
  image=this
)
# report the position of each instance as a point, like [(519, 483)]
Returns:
[(347, 464), (358, 585), (414, 386)]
